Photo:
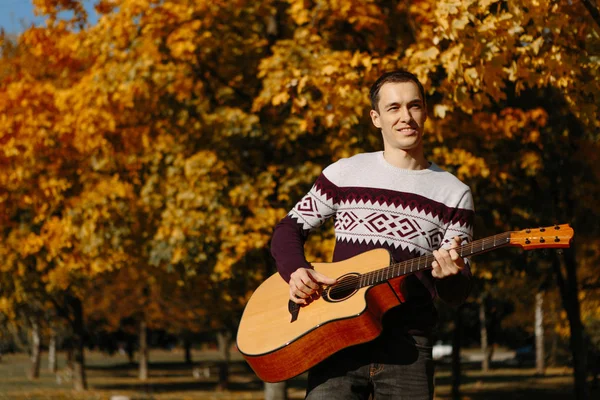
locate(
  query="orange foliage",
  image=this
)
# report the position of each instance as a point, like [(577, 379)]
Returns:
[(159, 147)]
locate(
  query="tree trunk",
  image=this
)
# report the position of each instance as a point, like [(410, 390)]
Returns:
[(569, 294), (18, 338), (539, 334), (593, 10), (69, 357), (224, 343), (187, 344), (456, 373), (552, 357), (143, 372), (485, 351), (34, 372), (79, 377), (52, 352), (276, 391), (130, 349)]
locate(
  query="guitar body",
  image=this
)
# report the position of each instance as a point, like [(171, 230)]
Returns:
[(279, 349)]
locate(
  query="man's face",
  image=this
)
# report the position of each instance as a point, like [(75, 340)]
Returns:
[(401, 116)]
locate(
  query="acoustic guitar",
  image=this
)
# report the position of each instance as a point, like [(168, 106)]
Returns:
[(281, 339)]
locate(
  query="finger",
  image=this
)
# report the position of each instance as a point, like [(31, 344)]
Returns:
[(310, 283), (459, 262), (445, 259), (454, 256), (320, 278), (296, 299), (453, 243), (447, 267), (442, 257), (436, 270), (300, 290), (299, 279)]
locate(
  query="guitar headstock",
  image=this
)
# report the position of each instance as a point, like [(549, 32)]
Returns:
[(557, 236)]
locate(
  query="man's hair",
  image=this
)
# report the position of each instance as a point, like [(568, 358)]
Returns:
[(393, 77)]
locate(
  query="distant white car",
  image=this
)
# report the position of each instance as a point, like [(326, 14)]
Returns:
[(441, 350)]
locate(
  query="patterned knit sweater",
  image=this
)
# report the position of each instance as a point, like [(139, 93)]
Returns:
[(377, 205)]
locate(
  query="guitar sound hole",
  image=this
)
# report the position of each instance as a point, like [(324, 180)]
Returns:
[(345, 287)]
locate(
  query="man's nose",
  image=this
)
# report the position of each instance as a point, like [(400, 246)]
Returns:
[(405, 114)]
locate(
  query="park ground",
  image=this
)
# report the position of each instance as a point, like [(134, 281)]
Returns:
[(171, 378)]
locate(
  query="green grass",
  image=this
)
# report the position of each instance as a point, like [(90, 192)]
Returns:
[(171, 378)]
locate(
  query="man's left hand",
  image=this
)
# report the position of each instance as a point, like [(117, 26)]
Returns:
[(447, 262)]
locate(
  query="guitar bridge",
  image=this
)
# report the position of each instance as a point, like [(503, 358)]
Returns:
[(294, 309)]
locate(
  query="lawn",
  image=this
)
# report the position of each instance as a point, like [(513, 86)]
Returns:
[(171, 378)]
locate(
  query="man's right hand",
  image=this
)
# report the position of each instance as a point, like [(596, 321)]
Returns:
[(305, 285)]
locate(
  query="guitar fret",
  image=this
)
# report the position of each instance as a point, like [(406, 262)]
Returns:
[(424, 262)]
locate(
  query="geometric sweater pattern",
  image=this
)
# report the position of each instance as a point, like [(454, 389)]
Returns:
[(374, 202)]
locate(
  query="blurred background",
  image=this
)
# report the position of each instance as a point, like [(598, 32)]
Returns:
[(148, 148)]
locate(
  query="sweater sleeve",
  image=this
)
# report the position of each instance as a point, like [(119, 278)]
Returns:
[(290, 234), (455, 290)]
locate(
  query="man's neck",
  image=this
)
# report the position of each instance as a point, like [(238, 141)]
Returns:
[(406, 159)]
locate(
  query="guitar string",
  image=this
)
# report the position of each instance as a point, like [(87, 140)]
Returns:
[(502, 239), (426, 260), (499, 240)]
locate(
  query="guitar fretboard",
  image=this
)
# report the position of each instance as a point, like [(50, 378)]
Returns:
[(423, 263)]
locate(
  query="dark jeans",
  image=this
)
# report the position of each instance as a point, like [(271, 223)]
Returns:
[(394, 366)]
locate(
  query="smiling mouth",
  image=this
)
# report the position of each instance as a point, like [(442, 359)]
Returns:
[(407, 130)]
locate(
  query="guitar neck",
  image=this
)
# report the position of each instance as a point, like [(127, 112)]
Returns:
[(424, 262)]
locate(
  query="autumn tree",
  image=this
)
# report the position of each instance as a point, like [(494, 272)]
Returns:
[(167, 140)]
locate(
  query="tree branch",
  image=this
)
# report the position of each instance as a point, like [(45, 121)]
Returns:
[(593, 10)]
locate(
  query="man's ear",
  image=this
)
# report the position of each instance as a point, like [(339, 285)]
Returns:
[(375, 118)]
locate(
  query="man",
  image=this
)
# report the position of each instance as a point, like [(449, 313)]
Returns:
[(397, 200)]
